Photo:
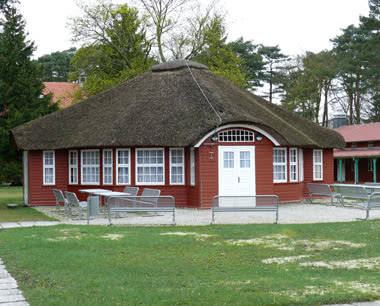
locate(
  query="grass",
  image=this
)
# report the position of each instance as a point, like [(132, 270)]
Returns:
[(21, 213), (209, 265)]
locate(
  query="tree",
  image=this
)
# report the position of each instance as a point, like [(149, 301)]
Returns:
[(164, 16), (115, 46), (219, 57), (178, 27), (272, 58), (349, 49), (371, 27), (253, 61), (56, 66), (20, 89), (309, 83)]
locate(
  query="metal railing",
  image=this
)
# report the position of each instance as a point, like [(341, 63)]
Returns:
[(134, 204), (244, 204)]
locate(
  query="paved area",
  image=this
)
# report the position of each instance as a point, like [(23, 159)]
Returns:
[(10, 295), (288, 214), (5, 225)]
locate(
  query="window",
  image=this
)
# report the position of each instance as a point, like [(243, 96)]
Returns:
[(228, 159), (49, 167), (279, 165), (235, 136), (245, 159), (73, 167), (317, 165), (370, 164), (150, 166), (107, 167), (177, 167), (192, 166), (300, 160), (90, 167), (293, 161), (122, 167)]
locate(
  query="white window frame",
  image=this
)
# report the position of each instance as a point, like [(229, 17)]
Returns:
[(317, 164), (177, 165), (370, 165), (48, 167), (107, 166), (236, 135), (149, 165), (81, 167), (301, 165), (285, 180), (192, 166), (123, 166), (74, 167), (293, 164)]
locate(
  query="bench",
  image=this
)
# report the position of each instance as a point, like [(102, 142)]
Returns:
[(370, 200), (352, 191), (258, 203), (138, 204), (324, 190), (373, 203)]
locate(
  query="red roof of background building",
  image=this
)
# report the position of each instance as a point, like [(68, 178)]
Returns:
[(360, 132), (62, 92), (356, 153)]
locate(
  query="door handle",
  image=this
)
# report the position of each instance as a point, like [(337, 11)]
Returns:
[(239, 179)]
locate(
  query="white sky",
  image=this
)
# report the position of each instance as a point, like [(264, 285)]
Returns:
[(295, 25)]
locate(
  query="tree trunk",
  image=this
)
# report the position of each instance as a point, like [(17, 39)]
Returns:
[(350, 109), (325, 109)]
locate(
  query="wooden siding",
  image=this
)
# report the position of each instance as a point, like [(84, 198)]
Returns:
[(38, 193), (206, 175)]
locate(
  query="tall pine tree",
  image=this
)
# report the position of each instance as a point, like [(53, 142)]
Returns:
[(21, 98)]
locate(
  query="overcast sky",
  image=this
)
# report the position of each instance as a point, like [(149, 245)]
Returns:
[(295, 25)]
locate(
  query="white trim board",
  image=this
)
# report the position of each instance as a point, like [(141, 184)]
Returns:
[(248, 126)]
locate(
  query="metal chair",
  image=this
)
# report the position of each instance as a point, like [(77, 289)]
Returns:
[(60, 198), (131, 190), (75, 203)]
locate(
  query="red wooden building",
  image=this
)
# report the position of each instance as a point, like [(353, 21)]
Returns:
[(357, 161), (179, 128)]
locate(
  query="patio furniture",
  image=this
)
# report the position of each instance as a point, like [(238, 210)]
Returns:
[(367, 201), (75, 203), (131, 190), (149, 196), (324, 190), (150, 201), (352, 191), (60, 198), (373, 203), (258, 203)]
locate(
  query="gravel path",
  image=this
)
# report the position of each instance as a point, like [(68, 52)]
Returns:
[(288, 214)]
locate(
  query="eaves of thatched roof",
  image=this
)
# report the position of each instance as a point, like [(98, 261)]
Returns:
[(167, 106)]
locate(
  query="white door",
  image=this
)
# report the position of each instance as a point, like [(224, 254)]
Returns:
[(237, 175)]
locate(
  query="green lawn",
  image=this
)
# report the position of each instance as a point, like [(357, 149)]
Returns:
[(21, 213), (262, 264)]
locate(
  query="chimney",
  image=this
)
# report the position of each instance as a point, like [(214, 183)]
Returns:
[(339, 120)]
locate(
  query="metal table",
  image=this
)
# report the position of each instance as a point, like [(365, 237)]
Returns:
[(102, 193)]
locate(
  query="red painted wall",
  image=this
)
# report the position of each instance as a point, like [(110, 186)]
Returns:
[(206, 176), (38, 193)]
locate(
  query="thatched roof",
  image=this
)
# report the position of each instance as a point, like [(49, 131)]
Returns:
[(165, 107)]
